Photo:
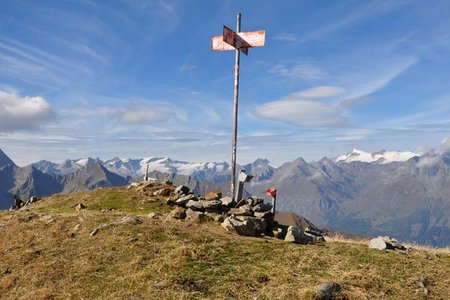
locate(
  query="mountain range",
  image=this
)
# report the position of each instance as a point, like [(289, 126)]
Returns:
[(400, 194)]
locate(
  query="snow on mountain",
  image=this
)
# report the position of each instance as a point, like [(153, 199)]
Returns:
[(380, 157), (138, 167)]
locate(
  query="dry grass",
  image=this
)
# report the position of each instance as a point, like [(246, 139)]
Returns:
[(165, 259)]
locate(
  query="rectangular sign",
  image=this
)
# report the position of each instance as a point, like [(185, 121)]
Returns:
[(231, 40)]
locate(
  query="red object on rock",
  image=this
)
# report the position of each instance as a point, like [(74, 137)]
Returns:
[(271, 192)]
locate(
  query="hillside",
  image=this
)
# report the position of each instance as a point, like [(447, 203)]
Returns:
[(47, 252)]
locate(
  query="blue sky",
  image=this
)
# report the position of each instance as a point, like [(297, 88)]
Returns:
[(135, 78)]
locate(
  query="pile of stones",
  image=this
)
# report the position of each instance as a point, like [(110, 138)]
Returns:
[(249, 217)]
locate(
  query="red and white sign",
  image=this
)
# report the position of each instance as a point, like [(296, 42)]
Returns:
[(231, 40)]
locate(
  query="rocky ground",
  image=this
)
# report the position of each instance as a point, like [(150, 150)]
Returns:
[(136, 243)]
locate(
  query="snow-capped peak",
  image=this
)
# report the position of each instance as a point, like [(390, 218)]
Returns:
[(379, 157)]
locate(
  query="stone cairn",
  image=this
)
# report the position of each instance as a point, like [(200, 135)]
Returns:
[(249, 217)]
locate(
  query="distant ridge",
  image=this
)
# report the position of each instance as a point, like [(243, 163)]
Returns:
[(5, 160)]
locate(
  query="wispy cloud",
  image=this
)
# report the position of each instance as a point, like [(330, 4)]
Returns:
[(23, 113), (321, 92), (285, 37), (298, 111), (295, 71), (367, 11)]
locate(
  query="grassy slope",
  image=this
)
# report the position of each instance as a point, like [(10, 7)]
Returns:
[(169, 259)]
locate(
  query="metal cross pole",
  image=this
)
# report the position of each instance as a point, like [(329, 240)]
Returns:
[(238, 41)]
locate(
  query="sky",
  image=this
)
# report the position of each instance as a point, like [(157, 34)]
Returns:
[(135, 78)]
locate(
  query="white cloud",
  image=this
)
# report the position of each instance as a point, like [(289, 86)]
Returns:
[(297, 111), (143, 114), (321, 92), (285, 37), (187, 66), (297, 71), (378, 79), (23, 113)]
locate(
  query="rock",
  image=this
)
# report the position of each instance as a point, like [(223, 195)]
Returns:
[(264, 215), (228, 201), (162, 193), (79, 206), (246, 226), (315, 236), (195, 216), (253, 201), (262, 207), (240, 211), (185, 199), (133, 185), (170, 202), (178, 213), (213, 196), (295, 235), (385, 243), (212, 204), (278, 233), (328, 290), (182, 190), (195, 205)]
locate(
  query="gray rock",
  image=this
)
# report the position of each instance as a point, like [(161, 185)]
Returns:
[(295, 235), (178, 213), (385, 243), (211, 204), (278, 233), (240, 211), (264, 215), (228, 201), (182, 190), (246, 226), (195, 205), (195, 216), (185, 199), (328, 290), (262, 207)]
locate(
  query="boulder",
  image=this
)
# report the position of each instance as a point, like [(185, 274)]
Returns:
[(213, 196), (178, 213), (195, 205), (262, 207), (253, 201), (246, 226), (240, 211), (195, 216), (185, 199), (182, 190), (264, 215), (295, 235), (211, 204), (328, 290), (385, 243), (278, 233), (228, 201)]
